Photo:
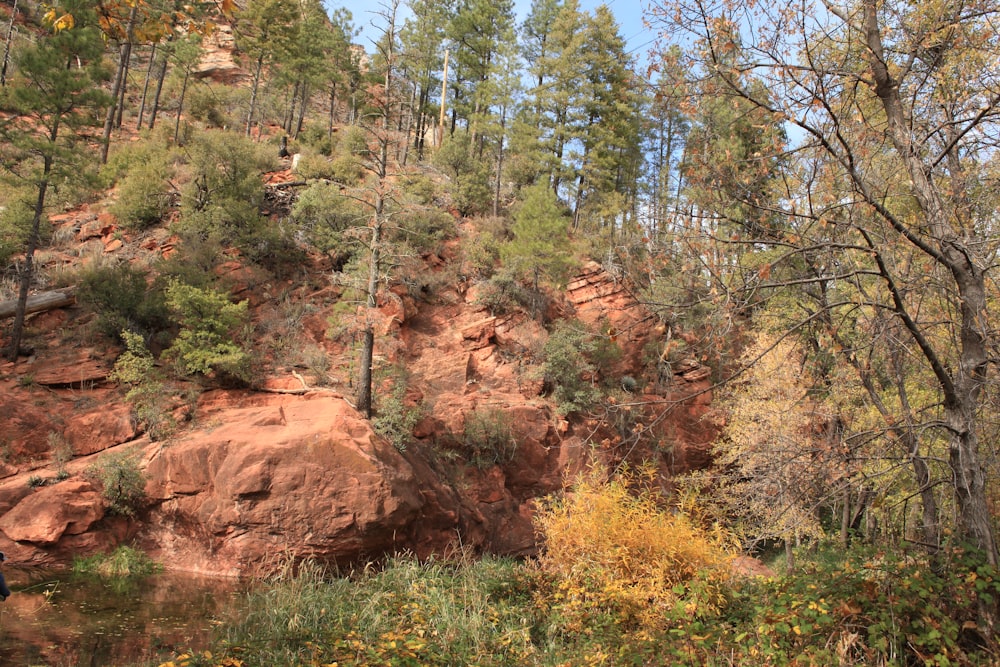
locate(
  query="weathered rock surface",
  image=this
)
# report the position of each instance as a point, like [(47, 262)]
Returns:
[(302, 476), (99, 429)]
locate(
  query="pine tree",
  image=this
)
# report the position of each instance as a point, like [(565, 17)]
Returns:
[(610, 129), (546, 128), (265, 31), (421, 61), (342, 72), (478, 29), (307, 60), (541, 237), (535, 35), (380, 196), (48, 106)]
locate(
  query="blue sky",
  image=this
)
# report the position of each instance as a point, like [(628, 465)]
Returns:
[(628, 12)]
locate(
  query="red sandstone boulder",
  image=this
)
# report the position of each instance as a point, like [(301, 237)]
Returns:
[(304, 476), (45, 516), (94, 228)]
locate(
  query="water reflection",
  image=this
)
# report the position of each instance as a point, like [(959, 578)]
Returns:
[(59, 619)]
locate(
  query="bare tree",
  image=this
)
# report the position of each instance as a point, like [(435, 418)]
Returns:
[(896, 108)]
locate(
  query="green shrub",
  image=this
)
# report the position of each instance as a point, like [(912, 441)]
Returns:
[(317, 137), (470, 179), (210, 105), (145, 196), (193, 262), (346, 169), (325, 215), (62, 452), (480, 255), (394, 419), (342, 322), (123, 300), (123, 485), (225, 191), (425, 229), (489, 437), (503, 293), (271, 246), (863, 606), (124, 561), (353, 141), (211, 340), (541, 244), (315, 166), (15, 221), (567, 368), (135, 368), (223, 199), (421, 188), (142, 172)]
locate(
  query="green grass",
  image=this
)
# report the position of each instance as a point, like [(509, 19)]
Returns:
[(863, 607), (125, 561), (405, 613)]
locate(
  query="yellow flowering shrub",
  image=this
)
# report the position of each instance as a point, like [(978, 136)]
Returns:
[(616, 555)]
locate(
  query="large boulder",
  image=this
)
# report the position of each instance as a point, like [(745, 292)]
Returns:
[(44, 517), (296, 476)]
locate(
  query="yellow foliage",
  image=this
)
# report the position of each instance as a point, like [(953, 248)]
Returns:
[(59, 23), (614, 552), (774, 463)]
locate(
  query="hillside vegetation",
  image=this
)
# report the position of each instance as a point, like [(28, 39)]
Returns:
[(803, 199)]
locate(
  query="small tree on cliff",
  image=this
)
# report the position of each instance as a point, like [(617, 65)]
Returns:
[(541, 237), (378, 194), (48, 105)]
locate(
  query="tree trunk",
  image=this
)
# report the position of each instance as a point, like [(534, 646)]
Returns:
[(180, 108), (161, 77), (145, 86), (960, 386), (20, 310), (124, 86), (789, 556), (409, 126), (845, 517), (38, 303), (116, 89), (6, 48), (333, 110), (371, 303), (365, 380), (286, 123), (302, 110), (499, 165), (253, 92)]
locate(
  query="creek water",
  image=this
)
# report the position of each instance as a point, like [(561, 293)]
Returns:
[(58, 619)]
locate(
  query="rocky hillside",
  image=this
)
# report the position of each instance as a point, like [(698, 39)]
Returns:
[(289, 467)]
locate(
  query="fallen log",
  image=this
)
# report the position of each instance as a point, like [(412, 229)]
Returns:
[(40, 302)]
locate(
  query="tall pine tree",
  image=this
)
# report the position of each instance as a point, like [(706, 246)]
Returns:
[(48, 105)]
